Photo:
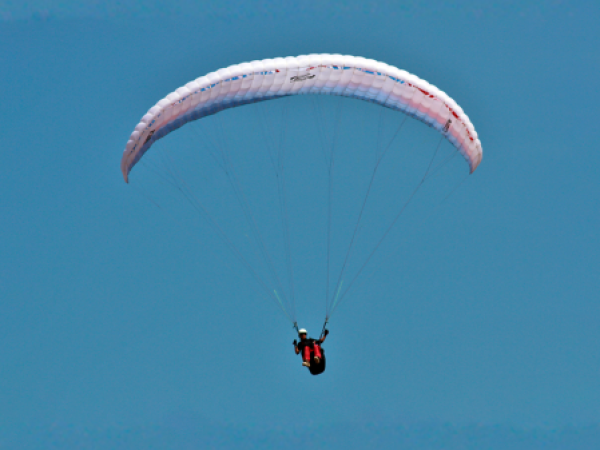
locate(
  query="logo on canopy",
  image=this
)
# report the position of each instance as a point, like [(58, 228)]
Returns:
[(308, 76)]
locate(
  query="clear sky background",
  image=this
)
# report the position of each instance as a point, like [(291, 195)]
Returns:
[(120, 328)]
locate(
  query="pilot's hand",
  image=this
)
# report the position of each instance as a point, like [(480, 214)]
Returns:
[(326, 332), (295, 343)]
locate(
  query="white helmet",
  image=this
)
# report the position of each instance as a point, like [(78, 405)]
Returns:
[(301, 331)]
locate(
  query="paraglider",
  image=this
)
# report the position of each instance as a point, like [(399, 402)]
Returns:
[(317, 74), (313, 355)]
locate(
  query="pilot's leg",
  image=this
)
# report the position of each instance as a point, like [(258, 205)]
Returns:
[(317, 351), (306, 356)]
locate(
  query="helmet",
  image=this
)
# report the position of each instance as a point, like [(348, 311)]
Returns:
[(301, 331)]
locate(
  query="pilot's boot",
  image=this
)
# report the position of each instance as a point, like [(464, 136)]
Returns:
[(317, 360), (306, 364)]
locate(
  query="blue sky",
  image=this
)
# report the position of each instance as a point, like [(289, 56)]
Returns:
[(122, 324)]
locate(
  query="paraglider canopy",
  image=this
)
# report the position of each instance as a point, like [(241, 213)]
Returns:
[(343, 75)]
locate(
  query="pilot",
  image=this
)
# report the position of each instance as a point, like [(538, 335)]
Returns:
[(306, 346)]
